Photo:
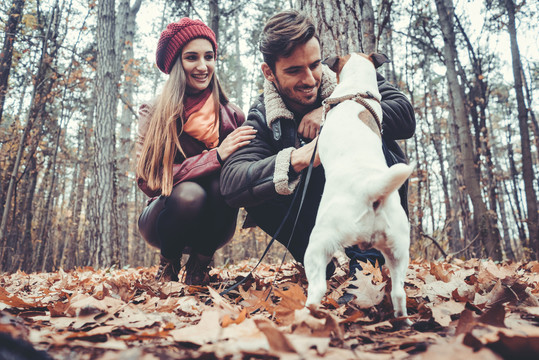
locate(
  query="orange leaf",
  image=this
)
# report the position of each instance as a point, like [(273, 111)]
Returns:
[(227, 320)]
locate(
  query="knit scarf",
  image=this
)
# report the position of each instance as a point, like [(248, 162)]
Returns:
[(201, 121)]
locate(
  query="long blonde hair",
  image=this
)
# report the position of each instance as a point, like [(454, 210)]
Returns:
[(161, 142)]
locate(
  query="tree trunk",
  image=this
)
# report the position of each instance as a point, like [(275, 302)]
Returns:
[(485, 222), (527, 164), (343, 26), (40, 95), (514, 182), (451, 226), (103, 235), (238, 69), (6, 56), (213, 18), (125, 146)]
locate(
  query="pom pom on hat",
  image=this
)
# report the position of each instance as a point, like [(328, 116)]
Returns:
[(176, 36)]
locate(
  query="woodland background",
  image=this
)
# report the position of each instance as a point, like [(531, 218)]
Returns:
[(73, 72)]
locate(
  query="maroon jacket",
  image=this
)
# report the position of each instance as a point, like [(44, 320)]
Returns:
[(200, 160)]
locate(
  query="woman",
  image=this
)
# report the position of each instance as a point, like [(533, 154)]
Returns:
[(183, 139)]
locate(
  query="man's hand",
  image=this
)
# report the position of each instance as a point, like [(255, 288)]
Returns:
[(309, 127), (301, 158)]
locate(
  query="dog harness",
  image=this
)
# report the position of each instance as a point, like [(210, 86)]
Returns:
[(360, 98)]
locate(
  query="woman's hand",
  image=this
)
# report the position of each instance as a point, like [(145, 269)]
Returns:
[(309, 127), (236, 139)]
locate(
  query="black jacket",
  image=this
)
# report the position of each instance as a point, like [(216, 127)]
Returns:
[(255, 173)]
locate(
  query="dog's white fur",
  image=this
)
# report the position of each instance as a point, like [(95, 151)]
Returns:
[(360, 204)]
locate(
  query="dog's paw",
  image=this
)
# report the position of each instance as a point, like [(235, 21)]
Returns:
[(302, 313)]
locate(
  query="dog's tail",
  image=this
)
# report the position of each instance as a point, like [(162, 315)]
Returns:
[(382, 185)]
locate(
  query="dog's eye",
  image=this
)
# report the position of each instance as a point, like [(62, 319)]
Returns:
[(375, 205)]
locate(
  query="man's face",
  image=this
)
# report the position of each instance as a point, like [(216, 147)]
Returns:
[(297, 77)]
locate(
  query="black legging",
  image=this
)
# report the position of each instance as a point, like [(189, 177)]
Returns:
[(194, 215)]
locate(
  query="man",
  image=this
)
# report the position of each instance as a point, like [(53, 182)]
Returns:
[(263, 175)]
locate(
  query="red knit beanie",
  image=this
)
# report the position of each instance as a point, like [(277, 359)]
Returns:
[(176, 36)]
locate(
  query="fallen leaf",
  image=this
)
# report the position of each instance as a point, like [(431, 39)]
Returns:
[(276, 339), (367, 294), (227, 320), (442, 312), (439, 272)]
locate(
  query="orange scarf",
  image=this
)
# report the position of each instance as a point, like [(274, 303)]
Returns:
[(202, 123)]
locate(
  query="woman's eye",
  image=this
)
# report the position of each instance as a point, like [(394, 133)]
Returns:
[(209, 57)]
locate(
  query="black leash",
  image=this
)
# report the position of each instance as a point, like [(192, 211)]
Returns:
[(305, 185)]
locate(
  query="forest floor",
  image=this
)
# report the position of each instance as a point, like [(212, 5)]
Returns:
[(473, 309)]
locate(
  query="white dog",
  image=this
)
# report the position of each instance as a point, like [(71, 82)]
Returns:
[(360, 204)]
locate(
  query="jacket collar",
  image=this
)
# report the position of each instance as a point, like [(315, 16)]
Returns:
[(275, 106)]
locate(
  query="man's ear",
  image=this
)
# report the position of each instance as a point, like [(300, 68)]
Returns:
[(268, 73)]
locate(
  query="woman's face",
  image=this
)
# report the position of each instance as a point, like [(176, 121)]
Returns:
[(198, 61)]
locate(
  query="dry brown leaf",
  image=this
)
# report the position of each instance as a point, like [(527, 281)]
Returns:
[(439, 272), (276, 339), (457, 350), (440, 289), (121, 308), (442, 312), (227, 320), (291, 299), (15, 301), (375, 270), (316, 322), (207, 330), (367, 294)]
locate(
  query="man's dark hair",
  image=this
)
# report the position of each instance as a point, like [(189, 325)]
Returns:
[(282, 33)]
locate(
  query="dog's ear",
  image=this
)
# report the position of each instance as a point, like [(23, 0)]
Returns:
[(378, 59), (332, 62)]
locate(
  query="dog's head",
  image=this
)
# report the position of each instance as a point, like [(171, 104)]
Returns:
[(336, 63)]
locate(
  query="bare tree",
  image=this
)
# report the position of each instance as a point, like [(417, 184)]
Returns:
[(103, 239), (527, 163), (43, 83), (125, 144), (6, 56), (483, 219)]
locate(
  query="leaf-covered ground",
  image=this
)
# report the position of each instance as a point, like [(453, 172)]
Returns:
[(473, 309)]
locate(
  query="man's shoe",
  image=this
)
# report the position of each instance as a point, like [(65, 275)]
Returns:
[(356, 256), (345, 298), (168, 270), (197, 269)]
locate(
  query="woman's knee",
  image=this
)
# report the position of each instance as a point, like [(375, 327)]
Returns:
[(187, 197)]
